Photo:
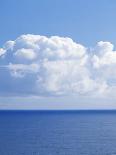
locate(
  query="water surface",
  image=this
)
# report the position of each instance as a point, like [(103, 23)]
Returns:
[(58, 133)]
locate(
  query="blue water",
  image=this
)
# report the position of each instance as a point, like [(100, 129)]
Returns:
[(58, 133)]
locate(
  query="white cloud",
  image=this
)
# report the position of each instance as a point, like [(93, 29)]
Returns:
[(104, 54), (28, 54), (9, 45), (2, 51), (20, 70), (46, 66), (105, 62)]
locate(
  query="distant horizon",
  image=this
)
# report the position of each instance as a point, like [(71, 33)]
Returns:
[(108, 109)]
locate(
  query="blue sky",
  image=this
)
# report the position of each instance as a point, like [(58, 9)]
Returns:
[(86, 23)]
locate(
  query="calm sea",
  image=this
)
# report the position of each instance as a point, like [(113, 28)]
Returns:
[(58, 133)]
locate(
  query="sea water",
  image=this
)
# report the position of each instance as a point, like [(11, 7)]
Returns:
[(57, 132)]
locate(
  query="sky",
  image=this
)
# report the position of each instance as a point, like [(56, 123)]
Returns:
[(57, 54)]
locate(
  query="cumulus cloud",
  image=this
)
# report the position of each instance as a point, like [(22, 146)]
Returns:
[(28, 54), (2, 51), (47, 66), (20, 70)]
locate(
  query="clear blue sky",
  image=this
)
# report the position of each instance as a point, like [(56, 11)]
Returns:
[(85, 21)]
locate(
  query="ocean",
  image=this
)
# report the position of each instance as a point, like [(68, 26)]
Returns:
[(58, 132)]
